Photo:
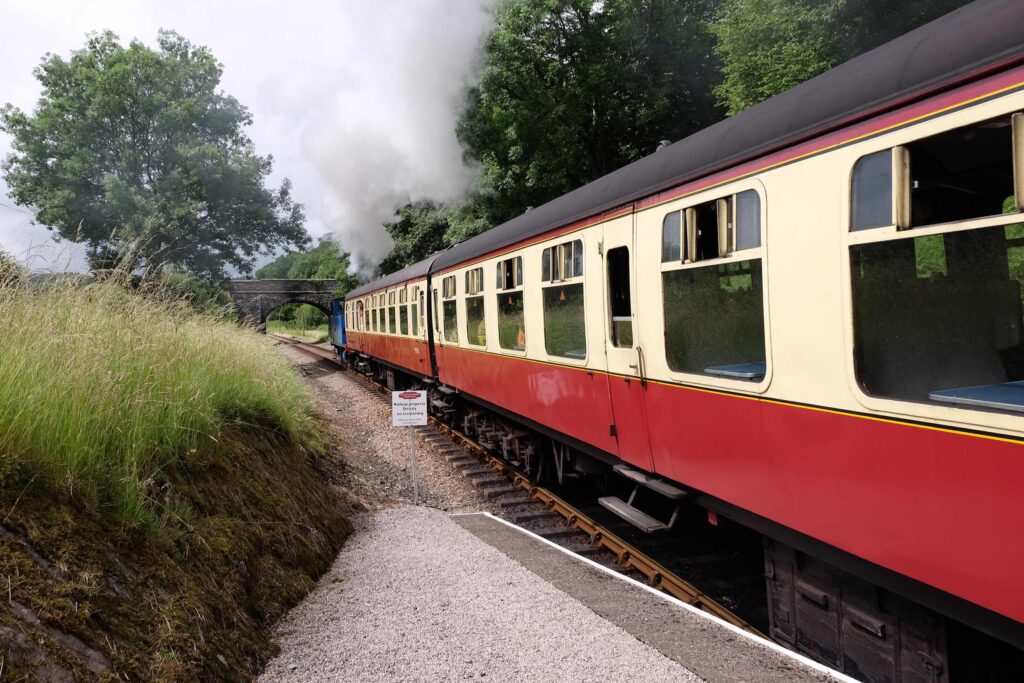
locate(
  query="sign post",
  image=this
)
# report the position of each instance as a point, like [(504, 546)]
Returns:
[(409, 409)]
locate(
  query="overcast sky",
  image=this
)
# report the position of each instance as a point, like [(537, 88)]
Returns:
[(356, 100)]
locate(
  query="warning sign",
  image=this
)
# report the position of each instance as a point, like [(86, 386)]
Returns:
[(408, 408)]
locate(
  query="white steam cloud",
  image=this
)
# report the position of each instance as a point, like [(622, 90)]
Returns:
[(387, 137)]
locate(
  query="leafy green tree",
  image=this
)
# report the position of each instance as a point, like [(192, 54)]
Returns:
[(136, 152), (768, 46), (325, 261), (573, 89), (419, 232), (570, 90)]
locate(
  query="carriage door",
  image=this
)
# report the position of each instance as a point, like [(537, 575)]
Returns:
[(626, 382)]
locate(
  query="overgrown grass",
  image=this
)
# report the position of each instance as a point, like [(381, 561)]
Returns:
[(105, 393)]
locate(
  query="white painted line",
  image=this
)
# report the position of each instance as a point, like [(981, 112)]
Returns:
[(771, 645)]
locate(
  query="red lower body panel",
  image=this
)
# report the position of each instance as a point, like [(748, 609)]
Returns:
[(573, 401), (411, 354), (944, 508)]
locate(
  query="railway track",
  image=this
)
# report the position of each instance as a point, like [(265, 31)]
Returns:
[(540, 510)]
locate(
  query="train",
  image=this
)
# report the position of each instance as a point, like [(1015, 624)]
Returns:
[(805, 319)]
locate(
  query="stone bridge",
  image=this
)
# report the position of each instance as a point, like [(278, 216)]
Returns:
[(255, 299)]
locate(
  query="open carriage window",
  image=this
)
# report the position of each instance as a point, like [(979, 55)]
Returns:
[(712, 229), (938, 317), (714, 311), (954, 176)]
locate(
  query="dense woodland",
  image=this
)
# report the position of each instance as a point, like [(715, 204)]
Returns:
[(570, 90)]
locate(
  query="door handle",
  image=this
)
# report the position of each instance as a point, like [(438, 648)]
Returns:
[(642, 365)]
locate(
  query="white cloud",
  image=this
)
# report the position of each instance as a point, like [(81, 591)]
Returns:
[(357, 101)]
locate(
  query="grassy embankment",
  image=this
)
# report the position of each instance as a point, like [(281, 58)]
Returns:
[(159, 497)]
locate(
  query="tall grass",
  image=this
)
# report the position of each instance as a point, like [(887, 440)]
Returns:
[(104, 392)]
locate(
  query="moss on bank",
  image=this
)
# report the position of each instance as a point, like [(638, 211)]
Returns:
[(86, 597)]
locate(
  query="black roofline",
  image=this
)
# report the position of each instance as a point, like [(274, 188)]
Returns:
[(983, 36)]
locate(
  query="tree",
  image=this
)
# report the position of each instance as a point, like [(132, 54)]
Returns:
[(573, 89), (570, 90), (326, 261), (419, 232), (768, 46), (135, 152)]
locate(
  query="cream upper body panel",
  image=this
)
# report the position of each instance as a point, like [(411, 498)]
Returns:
[(809, 318)]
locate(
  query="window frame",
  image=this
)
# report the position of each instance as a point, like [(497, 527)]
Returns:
[(414, 321), (450, 293), (553, 261), (688, 228), (392, 316), (559, 277), (759, 252), (977, 114), (518, 286), (474, 281)]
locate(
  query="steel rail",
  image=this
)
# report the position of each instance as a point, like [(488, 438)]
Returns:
[(627, 555)]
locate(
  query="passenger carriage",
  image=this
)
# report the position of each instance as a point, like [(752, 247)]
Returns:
[(807, 317)]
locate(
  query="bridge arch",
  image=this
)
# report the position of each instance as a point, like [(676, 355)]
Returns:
[(255, 299)]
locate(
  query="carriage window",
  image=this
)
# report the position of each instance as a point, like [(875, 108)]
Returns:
[(414, 313), (958, 175), (748, 220), (564, 320), (392, 325), (728, 342), (702, 229), (511, 321), (965, 173), (671, 237), (712, 229), (365, 308), (938, 318), (422, 309), (510, 273), (403, 311), (562, 262), (871, 198), (565, 331), (450, 310), (437, 327), (476, 332), (619, 300), (475, 280)]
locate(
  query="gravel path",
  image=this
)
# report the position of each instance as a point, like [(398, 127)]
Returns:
[(375, 454), (413, 597)]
